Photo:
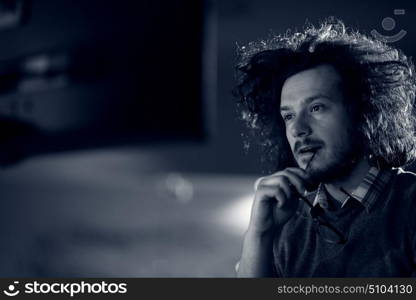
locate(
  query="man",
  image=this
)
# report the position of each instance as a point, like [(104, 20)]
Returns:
[(334, 109)]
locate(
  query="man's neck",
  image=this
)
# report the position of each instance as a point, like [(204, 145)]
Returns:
[(349, 182)]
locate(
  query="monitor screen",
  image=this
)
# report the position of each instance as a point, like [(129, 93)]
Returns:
[(80, 74)]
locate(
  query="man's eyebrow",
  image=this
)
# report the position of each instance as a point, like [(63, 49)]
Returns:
[(307, 100)]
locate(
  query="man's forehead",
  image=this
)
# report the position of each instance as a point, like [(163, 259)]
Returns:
[(321, 80)]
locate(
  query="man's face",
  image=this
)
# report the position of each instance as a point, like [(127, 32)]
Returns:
[(318, 126)]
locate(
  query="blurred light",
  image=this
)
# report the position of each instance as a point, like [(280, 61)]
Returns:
[(38, 84), (47, 62), (179, 187), (37, 65), (11, 13), (237, 215)]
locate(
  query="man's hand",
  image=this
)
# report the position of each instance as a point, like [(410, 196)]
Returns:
[(275, 202), (276, 199)]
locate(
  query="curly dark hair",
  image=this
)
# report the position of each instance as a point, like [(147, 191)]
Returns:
[(378, 82)]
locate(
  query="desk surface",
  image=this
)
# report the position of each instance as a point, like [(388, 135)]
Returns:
[(99, 215)]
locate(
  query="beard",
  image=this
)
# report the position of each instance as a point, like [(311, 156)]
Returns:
[(338, 163), (336, 168)]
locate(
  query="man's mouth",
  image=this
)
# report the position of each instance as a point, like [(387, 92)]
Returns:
[(308, 150)]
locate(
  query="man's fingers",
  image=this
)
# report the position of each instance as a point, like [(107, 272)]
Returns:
[(298, 182), (280, 197), (285, 185), (298, 171), (257, 182), (285, 178), (274, 202), (271, 194)]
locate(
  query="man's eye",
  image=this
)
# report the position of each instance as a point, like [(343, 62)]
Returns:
[(316, 107), (287, 117)]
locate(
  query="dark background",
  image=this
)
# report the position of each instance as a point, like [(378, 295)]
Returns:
[(126, 157)]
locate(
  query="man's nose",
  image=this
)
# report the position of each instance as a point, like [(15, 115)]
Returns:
[(300, 127)]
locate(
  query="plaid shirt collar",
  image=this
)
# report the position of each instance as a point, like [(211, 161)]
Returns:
[(366, 193)]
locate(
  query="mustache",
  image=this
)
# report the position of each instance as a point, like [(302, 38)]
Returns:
[(305, 143)]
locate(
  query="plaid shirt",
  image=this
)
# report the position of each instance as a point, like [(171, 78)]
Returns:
[(366, 193)]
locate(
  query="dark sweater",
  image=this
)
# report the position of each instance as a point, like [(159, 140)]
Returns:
[(381, 242)]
